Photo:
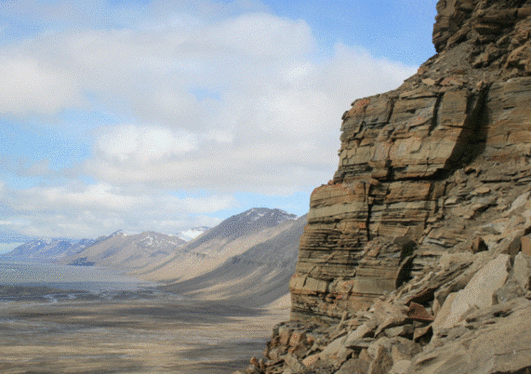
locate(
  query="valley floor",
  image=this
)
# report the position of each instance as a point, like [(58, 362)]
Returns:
[(130, 332)]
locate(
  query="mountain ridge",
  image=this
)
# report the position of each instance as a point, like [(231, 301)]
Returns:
[(50, 248), (127, 252), (257, 277), (231, 237)]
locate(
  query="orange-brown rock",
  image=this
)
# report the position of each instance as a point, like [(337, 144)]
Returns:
[(418, 164), (415, 256)]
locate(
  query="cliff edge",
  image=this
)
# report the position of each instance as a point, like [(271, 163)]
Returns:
[(416, 255)]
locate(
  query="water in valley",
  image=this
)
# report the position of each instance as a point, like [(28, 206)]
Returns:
[(67, 319)]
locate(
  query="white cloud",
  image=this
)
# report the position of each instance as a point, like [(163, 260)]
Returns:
[(29, 86), (79, 210), (256, 36), (271, 134), (99, 196), (266, 119), (104, 197), (142, 144)]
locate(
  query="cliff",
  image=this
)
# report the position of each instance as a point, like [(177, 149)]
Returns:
[(411, 161), (415, 257)]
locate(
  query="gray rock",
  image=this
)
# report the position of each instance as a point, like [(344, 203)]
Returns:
[(521, 271), (382, 362), (479, 291), (401, 367), (360, 332), (354, 366), (406, 330), (500, 346), (295, 366)]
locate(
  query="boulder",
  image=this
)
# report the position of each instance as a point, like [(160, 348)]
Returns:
[(401, 367), (442, 319), (500, 346), (477, 294), (354, 366), (406, 330), (362, 331), (521, 271), (419, 313), (295, 366), (332, 349), (526, 245), (382, 362)]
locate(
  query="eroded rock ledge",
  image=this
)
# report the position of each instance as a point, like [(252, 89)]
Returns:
[(410, 261)]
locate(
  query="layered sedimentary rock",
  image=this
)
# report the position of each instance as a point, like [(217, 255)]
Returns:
[(417, 254), (420, 165)]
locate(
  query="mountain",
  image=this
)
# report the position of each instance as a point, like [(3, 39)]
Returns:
[(231, 237), (417, 254), (49, 248), (123, 251), (257, 277), (250, 221)]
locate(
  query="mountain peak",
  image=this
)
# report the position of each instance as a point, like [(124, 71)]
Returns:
[(246, 223), (119, 232), (260, 212)]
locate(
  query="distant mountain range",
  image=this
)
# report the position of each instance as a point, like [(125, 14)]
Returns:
[(58, 248), (256, 277), (247, 257), (49, 248), (231, 237), (124, 251)]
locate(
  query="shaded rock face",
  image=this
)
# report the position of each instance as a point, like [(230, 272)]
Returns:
[(476, 334), (424, 168)]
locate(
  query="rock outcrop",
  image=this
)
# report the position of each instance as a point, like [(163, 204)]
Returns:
[(414, 255), (422, 163)]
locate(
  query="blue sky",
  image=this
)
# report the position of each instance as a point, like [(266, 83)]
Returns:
[(157, 115)]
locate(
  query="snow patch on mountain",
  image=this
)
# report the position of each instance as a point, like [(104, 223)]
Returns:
[(191, 234)]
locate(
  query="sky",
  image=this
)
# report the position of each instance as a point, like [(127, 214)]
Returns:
[(167, 115)]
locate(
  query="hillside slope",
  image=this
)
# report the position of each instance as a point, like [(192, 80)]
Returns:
[(256, 277), (127, 252), (231, 237)]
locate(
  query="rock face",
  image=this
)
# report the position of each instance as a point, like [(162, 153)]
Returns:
[(421, 165), (410, 261)]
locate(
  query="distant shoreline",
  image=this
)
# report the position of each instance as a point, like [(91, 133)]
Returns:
[(49, 274)]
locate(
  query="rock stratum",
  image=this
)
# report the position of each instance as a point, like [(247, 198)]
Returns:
[(416, 256)]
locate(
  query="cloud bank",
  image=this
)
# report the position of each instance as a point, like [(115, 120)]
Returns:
[(222, 99)]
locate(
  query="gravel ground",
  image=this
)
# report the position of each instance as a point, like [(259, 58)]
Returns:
[(128, 332)]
